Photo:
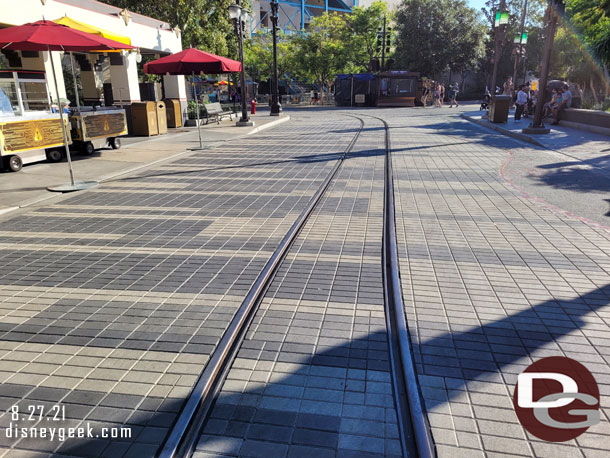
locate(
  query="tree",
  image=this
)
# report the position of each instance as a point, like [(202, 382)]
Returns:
[(361, 29), (204, 24), (322, 53), (434, 35)]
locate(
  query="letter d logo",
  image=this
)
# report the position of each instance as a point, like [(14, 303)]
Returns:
[(556, 399)]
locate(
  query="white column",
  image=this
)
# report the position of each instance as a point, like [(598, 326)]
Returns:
[(49, 73), (124, 79), (175, 87), (91, 81)]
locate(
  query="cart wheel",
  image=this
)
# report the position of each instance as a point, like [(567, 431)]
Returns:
[(88, 148), (115, 142), (54, 155), (14, 163)]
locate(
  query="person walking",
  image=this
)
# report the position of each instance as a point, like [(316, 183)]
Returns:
[(442, 98), (437, 95), (453, 92), (520, 102)]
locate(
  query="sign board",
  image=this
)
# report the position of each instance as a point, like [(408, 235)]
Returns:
[(359, 98), (100, 125), (17, 136)]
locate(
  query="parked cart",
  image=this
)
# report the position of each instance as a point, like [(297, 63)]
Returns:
[(98, 128), (29, 131)]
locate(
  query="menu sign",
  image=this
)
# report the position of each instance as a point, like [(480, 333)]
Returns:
[(31, 134), (105, 125)]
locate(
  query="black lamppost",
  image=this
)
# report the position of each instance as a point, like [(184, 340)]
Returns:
[(276, 107), (239, 16)]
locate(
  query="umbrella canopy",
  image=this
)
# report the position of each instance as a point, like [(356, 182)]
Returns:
[(74, 24), (192, 60), (49, 36), (556, 84)]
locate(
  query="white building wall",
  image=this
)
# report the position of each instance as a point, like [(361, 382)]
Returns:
[(144, 33)]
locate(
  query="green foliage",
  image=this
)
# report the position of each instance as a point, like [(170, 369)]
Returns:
[(591, 18), (360, 33), (437, 35), (321, 53), (204, 24), (258, 55)]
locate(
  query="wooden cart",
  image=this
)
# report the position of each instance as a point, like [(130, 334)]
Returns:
[(23, 140), (98, 128)]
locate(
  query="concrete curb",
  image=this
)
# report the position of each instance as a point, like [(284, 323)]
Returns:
[(110, 176), (279, 120), (502, 130)]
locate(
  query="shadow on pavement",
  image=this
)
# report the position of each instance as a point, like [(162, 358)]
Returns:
[(276, 411), (590, 175)]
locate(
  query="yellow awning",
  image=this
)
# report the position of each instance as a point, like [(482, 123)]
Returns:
[(74, 24)]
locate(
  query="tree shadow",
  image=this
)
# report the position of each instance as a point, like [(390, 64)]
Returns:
[(322, 397), (589, 175)]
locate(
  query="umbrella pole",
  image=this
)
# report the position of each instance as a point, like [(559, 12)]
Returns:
[(61, 117), (197, 108), (73, 186), (80, 115)]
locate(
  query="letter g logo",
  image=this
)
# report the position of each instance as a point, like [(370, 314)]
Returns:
[(556, 399)]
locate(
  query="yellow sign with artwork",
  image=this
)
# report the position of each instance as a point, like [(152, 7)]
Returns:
[(96, 125), (16, 136)]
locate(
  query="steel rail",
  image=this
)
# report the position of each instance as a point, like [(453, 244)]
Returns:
[(182, 438), (416, 438)]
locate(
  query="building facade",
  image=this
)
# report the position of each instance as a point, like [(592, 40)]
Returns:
[(294, 15), (104, 76)]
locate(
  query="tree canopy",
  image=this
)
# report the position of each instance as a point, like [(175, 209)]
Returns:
[(438, 35), (204, 24)]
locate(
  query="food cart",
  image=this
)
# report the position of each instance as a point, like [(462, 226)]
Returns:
[(29, 131), (97, 128)]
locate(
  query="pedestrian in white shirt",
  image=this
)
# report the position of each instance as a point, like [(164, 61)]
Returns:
[(521, 101)]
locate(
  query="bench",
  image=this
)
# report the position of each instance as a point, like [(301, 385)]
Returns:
[(589, 120), (215, 112)]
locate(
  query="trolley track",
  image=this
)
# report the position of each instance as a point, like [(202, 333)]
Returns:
[(414, 430)]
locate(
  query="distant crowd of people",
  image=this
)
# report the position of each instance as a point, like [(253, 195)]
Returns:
[(526, 99), (436, 93)]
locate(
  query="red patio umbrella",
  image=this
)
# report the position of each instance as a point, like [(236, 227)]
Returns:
[(188, 62), (192, 60), (49, 36)]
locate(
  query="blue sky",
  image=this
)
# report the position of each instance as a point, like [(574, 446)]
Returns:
[(478, 4)]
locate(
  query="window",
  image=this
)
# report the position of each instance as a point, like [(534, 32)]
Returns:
[(9, 104), (404, 87), (34, 94)]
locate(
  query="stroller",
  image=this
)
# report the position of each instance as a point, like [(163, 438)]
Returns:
[(485, 101)]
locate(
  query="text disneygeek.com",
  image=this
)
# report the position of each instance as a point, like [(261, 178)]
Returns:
[(60, 433)]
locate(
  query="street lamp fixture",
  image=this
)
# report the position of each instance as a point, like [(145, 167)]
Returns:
[(276, 107), (239, 15)]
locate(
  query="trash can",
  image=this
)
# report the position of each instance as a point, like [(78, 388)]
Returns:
[(161, 117), (144, 118), (174, 115), (498, 109)]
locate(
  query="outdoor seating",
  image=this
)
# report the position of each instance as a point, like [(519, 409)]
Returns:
[(215, 112)]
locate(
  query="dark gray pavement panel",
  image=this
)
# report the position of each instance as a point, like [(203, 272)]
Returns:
[(493, 280), (112, 300), (312, 378)]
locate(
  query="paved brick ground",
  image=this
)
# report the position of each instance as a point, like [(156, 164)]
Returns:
[(493, 281), (312, 377), (112, 300)]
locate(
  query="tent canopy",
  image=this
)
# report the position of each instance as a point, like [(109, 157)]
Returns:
[(74, 24), (49, 36), (192, 60)]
